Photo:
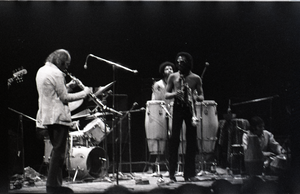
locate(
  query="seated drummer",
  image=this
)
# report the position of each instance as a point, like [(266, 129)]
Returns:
[(269, 146)]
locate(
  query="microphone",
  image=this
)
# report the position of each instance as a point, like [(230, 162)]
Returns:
[(85, 64), (134, 105), (206, 65)]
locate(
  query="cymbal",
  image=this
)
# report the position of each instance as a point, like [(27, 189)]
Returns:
[(75, 104), (81, 114), (103, 89), (98, 114)]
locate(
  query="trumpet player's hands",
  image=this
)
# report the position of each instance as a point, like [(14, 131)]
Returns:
[(179, 94), (200, 98), (72, 84), (87, 90)]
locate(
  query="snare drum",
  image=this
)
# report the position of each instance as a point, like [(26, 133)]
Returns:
[(156, 126), (78, 139), (84, 162), (208, 131), (95, 131)]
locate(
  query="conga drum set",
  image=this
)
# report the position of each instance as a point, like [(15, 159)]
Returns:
[(84, 158), (158, 128)]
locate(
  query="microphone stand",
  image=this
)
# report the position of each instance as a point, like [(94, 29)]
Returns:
[(113, 103), (22, 135), (120, 140), (270, 98)]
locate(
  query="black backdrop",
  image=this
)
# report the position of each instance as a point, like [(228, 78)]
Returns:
[(253, 51)]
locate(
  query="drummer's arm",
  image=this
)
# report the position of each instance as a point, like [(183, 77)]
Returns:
[(199, 89)]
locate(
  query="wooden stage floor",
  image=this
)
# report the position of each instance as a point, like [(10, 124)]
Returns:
[(140, 182)]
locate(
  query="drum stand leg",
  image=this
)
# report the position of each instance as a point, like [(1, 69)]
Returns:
[(158, 160)]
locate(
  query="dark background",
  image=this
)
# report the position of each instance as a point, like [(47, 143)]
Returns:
[(252, 48)]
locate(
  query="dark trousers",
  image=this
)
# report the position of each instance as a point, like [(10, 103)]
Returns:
[(180, 114), (58, 135)]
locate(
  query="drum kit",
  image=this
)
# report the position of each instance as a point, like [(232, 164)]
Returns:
[(84, 158)]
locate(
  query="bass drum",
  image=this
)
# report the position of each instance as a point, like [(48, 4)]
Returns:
[(87, 162), (208, 128)]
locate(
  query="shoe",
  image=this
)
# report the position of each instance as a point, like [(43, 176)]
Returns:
[(172, 179), (191, 179), (61, 190)]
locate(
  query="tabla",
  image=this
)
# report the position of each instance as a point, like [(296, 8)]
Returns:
[(96, 131), (84, 162), (156, 126), (279, 164), (207, 130)]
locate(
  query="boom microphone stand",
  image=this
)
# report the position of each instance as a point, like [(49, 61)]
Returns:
[(113, 101), (22, 134)]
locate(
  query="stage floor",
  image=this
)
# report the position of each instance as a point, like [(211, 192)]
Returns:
[(138, 182)]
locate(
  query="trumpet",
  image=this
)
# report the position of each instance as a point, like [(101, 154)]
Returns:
[(91, 95), (190, 101), (195, 120)]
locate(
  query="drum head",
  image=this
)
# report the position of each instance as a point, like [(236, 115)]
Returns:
[(88, 162), (96, 162)]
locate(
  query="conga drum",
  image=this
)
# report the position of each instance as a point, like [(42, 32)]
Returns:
[(253, 156), (207, 130), (156, 126)]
